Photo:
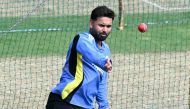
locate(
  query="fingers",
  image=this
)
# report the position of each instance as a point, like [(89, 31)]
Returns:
[(108, 66)]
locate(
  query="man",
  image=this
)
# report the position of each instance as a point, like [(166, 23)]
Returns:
[(84, 75)]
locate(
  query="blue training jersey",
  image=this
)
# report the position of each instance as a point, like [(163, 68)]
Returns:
[(84, 77)]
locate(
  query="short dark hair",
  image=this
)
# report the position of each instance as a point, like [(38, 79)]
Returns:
[(102, 11)]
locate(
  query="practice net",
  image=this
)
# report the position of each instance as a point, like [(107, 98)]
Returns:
[(151, 70)]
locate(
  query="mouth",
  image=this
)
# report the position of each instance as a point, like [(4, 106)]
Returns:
[(103, 34)]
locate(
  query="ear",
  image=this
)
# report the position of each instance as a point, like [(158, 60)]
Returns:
[(91, 23)]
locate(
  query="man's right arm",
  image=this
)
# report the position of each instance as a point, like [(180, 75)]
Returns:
[(88, 50)]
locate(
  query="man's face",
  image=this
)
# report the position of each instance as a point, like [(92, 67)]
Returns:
[(103, 26)]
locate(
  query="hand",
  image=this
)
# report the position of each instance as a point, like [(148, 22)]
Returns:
[(108, 66)]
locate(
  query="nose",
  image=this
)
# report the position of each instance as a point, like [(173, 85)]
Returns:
[(105, 29)]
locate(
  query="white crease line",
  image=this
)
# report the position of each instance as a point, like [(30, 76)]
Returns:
[(160, 7), (154, 4), (31, 30)]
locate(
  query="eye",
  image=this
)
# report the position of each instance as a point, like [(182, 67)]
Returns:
[(102, 25), (108, 26)]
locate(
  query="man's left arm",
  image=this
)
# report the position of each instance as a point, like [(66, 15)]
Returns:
[(102, 97)]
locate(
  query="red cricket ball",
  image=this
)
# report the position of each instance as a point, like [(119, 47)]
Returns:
[(142, 27)]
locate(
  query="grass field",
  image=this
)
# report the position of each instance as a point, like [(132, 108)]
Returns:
[(165, 34)]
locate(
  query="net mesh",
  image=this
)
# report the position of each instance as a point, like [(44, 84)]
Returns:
[(150, 70)]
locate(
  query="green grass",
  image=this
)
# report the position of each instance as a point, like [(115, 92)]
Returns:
[(166, 33), (157, 39), (35, 43)]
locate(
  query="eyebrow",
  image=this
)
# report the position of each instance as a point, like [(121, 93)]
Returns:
[(105, 25)]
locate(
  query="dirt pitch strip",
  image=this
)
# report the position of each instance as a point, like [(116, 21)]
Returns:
[(138, 81)]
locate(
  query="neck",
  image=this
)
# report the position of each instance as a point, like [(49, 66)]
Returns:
[(99, 43)]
